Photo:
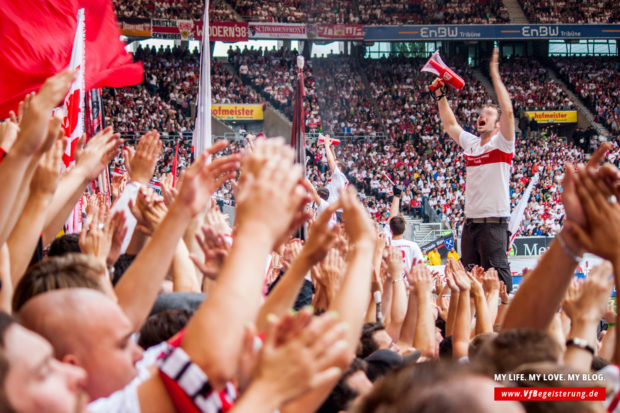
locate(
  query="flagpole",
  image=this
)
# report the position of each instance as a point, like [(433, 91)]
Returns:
[(202, 129)]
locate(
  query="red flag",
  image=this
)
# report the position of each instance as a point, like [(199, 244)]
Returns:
[(37, 39)]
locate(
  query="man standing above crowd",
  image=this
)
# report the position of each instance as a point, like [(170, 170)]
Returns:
[(488, 160)]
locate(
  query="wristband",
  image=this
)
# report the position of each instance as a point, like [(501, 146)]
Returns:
[(576, 258), (611, 325), (505, 302), (580, 343)]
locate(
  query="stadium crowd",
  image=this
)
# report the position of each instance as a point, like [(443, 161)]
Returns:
[(99, 331), (219, 10), (574, 12), (166, 99), (407, 111), (346, 106), (590, 78), (531, 86), (274, 74), (432, 12)]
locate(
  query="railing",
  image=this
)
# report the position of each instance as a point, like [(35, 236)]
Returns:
[(310, 137), (314, 136)]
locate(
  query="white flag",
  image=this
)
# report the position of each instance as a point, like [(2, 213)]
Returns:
[(517, 214), (202, 128), (73, 111)]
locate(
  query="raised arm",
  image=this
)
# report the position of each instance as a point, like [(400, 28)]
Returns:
[(90, 161), (31, 139), (269, 199), (542, 291), (507, 119), (585, 308), (331, 158), (25, 235), (422, 280), (448, 120), (462, 325), (282, 297), (151, 266)]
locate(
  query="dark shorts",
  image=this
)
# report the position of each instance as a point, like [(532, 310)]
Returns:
[(485, 244)]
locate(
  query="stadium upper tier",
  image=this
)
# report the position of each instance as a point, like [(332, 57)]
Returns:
[(393, 12)]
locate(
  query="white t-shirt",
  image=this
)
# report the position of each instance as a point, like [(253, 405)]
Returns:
[(488, 175), (409, 250), (335, 184), (323, 204)]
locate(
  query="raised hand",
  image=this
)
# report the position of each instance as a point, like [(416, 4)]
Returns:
[(570, 199), (117, 186), (149, 210), (494, 65), (142, 163), (116, 230), (395, 266), (45, 179), (8, 131), (490, 280), (36, 111), (93, 157), (330, 273), (461, 279), (168, 190), (503, 293), (357, 223), (421, 279), (601, 233), (215, 249), (320, 237), (272, 200), (202, 179), (95, 239), (303, 362)]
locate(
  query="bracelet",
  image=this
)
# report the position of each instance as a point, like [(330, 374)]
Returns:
[(576, 258), (611, 325), (580, 343), (505, 302), (398, 279)]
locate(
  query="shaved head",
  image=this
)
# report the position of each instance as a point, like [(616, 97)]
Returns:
[(88, 329)]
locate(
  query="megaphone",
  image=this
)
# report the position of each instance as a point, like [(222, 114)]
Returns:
[(437, 67), (333, 141)]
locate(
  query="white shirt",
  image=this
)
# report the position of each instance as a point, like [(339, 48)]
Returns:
[(409, 250), (488, 175), (337, 182)]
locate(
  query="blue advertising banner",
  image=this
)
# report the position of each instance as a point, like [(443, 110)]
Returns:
[(492, 32)]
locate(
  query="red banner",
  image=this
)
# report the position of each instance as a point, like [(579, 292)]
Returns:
[(336, 31), (192, 30), (229, 32)]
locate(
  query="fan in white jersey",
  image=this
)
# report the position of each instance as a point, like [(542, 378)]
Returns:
[(410, 251), (488, 160)]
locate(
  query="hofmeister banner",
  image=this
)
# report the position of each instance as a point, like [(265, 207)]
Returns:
[(237, 112), (553, 116)]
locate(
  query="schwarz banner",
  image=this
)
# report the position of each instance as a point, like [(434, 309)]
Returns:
[(336, 31), (277, 31), (492, 32), (553, 116), (237, 112)]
